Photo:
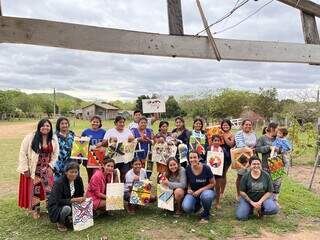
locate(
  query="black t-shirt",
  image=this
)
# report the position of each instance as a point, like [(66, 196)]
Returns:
[(198, 181), (256, 188)]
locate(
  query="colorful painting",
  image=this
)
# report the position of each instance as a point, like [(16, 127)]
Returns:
[(240, 157), (153, 106), (82, 215), (124, 152), (215, 161), (197, 144), (114, 196), (214, 130), (276, 167), (141, 192), (161, 152), (183, 152), (95, 157), (165, 197), (80, 148)]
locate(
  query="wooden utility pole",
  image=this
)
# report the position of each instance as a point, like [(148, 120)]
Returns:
[(310, 30), (175, 17), (304, 5), (54, 103), (317, 156)]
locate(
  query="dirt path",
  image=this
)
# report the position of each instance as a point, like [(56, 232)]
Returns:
[(18, 130), (302, 174), (301, 235)]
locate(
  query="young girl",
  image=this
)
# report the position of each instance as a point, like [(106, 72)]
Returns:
[(67, 189), (200, 188), (96, 134), (137, 173), (215, 147), (98, 182), (175, 178)]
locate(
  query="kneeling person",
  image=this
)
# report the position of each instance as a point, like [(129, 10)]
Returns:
[(256, 192), (67, 190)]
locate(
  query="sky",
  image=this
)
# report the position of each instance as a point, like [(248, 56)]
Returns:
[(96, 76)]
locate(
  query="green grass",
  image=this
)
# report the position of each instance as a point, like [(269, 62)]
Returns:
[(298, 204)]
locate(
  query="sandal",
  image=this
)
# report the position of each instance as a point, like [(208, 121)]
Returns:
[(61, 227), (204, 221), (177, 214), (35, 215)]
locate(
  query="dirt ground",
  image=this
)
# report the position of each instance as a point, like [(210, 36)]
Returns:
[(302, 174), (18, 130)]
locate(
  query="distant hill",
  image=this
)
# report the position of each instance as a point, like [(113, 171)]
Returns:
[(59, 96)]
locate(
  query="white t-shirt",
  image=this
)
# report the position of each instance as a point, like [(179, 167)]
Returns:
[(121, 136), (135, 125), (129, 178)]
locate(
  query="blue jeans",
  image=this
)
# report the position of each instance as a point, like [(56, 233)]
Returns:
[(244, 210), (190, 203)]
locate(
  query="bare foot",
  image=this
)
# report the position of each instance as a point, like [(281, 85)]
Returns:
[(35, 215), (217, 206), (177, 214), (61, 227), (203, 221)]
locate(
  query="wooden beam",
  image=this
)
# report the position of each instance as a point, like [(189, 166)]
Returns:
[(304, 5), (0, 9), (175, 17), (82, 37), (210, 37), (310, 30)]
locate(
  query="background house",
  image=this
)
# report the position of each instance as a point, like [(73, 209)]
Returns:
[(103, 110)]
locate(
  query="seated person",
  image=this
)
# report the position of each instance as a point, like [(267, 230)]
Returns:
[(67, 189), (175, 179), (98, 183), (200, 188), (256, 192)]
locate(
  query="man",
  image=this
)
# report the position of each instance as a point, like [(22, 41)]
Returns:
[(136, 117)]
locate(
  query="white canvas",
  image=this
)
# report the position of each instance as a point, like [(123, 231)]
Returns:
[(82, 215), (153, 106), (165, 198), (114, 196)]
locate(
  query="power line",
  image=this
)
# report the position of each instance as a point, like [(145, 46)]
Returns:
[(246, 18), (236, 7)]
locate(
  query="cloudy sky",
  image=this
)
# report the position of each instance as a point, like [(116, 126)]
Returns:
[(108, 76)]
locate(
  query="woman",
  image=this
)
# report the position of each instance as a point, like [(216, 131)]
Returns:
[(200, 188), (38, 153), (228, 143), (264, 145), (120, 134), (246, 137), (98, 183), (183, 135), (137, 173), (198, 141), (65, 140), (161, 137), (96, 134), (66, 190), (256, 192), (175, 178), (144, 136)]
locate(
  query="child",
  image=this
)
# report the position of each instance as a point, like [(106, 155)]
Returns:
[(283, 143), (215, 147)]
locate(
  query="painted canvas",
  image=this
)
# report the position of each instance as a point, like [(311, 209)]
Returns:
[(214, 130), (141, 192), (95, 157), (240, 157), (124, 152), (80, 148), (183, 152), (114, 196), (215, 161), (276, 167), (153, 106), (197, 144), (82, 215), (165, 197), (161, 152)]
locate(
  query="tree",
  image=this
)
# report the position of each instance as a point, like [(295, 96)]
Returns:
[(7, 104), (266, 103), (172, 107), (139, 102)]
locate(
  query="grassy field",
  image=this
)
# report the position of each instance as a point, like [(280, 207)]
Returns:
[(298, 205)]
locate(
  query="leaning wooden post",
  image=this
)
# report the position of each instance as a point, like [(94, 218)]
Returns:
[(0, 9), (317, 156), (310, 30), (175, 17)]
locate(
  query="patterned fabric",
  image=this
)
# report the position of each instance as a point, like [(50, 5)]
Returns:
[(72, 189), (42, 179), (198, 142), (65, 146)]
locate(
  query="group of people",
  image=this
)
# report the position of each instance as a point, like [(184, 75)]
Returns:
[(48, 173)]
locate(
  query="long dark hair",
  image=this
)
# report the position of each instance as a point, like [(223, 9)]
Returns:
[(198, 119), (60, 119), (37, 139), (227, 121), (163, 123), (168, 173)]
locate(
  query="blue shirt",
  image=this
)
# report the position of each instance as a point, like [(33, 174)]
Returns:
[(95, 136), (142, 146), (199, 181)]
